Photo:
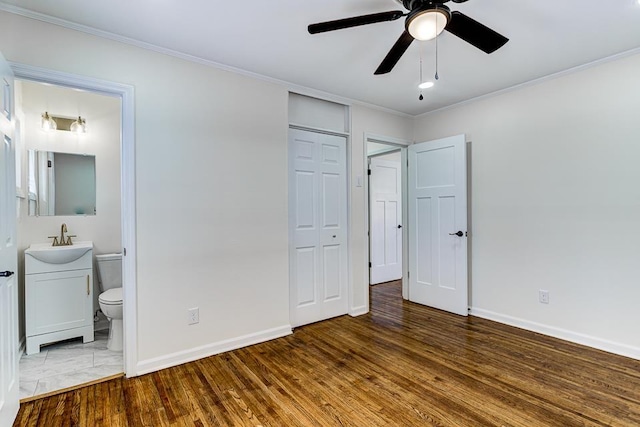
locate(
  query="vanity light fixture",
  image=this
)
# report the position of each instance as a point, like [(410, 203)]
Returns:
[(48, 123), (79, 126)]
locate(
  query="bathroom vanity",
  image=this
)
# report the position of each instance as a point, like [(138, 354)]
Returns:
[(58, 293)]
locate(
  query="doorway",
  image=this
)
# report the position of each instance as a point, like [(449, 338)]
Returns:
[(386, 213), (434, 221), (124, 155)]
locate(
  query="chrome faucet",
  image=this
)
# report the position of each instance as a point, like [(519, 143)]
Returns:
[(62, 241)]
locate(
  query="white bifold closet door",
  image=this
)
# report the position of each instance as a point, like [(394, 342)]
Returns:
[(317, 226)]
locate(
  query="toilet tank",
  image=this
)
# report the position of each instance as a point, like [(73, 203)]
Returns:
[(109, 271)]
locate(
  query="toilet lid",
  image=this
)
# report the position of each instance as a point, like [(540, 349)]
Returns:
[(111, 296)]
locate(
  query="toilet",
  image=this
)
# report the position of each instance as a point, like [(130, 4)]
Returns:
[(110, 299)]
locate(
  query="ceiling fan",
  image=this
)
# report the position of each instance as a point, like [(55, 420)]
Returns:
[(425, 20)]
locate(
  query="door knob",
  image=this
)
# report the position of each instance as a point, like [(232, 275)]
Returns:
[(6, 273), (399, 226), (459, 234)]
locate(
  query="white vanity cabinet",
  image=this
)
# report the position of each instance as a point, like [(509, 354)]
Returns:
[(58, 296)]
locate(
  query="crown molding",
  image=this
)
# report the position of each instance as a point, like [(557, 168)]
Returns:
[(292, 87), (534, 82)]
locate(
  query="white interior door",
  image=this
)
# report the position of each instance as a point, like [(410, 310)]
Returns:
[(9, 382), (385, 211), (438, 224), (317, 226)]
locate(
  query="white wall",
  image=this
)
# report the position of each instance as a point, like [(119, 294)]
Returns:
[(556, 203), (211, 183), (211, 179)]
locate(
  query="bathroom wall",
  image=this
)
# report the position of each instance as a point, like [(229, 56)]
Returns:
[(102, 140)]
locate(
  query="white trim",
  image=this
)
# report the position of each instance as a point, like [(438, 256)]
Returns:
[(381, 139), (563, 334), (535, 81), (127, 153), (292, 87), (180, 357), (319, 130), (359, 311)]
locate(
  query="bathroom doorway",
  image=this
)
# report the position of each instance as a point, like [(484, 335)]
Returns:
[(107, 109)]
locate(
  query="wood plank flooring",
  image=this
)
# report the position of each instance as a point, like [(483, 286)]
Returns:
[(401, 365)]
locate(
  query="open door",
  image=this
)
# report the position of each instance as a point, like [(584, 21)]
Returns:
[(9, 379), (437, 214)]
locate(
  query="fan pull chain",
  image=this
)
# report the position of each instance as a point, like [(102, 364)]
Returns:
[(421, 97), (436, 76)]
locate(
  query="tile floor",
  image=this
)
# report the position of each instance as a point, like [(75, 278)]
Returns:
[(67, 364)]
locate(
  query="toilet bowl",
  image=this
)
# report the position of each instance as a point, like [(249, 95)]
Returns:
[(110, 299)]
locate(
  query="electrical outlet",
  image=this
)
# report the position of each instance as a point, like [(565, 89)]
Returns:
[(543, 296), (193, 316)]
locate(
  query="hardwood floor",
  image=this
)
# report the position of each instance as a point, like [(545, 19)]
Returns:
[(401, 365)]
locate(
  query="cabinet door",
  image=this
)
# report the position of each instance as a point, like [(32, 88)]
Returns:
[(58, 301)]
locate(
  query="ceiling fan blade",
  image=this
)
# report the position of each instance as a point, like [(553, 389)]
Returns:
[(396, 52), (355, 21), (475, 33)]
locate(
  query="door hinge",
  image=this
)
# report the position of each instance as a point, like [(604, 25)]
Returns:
[(369, 172), (408, 275), (49, 163), (369, 265), (124, 251)]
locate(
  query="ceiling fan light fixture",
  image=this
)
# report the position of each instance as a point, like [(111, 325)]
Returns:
[(428, 23)]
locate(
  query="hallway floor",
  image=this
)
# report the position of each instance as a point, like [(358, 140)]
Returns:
[(67, 364)]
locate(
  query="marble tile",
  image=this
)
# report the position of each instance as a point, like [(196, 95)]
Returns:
[(68, 364), (107, 357), (27, 362), (57, 365), (27, 388), (58, 382)]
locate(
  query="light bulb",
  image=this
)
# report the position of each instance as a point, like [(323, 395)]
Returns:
[(428, 24), (425, 85), (48, 123), (78, 126)]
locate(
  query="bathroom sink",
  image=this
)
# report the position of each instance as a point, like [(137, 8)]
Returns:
[(58, 254)]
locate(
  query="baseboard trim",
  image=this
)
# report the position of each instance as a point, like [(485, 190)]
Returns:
[(564, 334), (178, 358), (358, 311)]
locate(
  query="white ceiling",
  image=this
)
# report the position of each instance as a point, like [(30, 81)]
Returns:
[(270, 38)]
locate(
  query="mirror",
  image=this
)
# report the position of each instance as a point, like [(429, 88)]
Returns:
[(61, 183)]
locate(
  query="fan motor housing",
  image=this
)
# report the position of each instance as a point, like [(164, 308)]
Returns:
[(415, 4)]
